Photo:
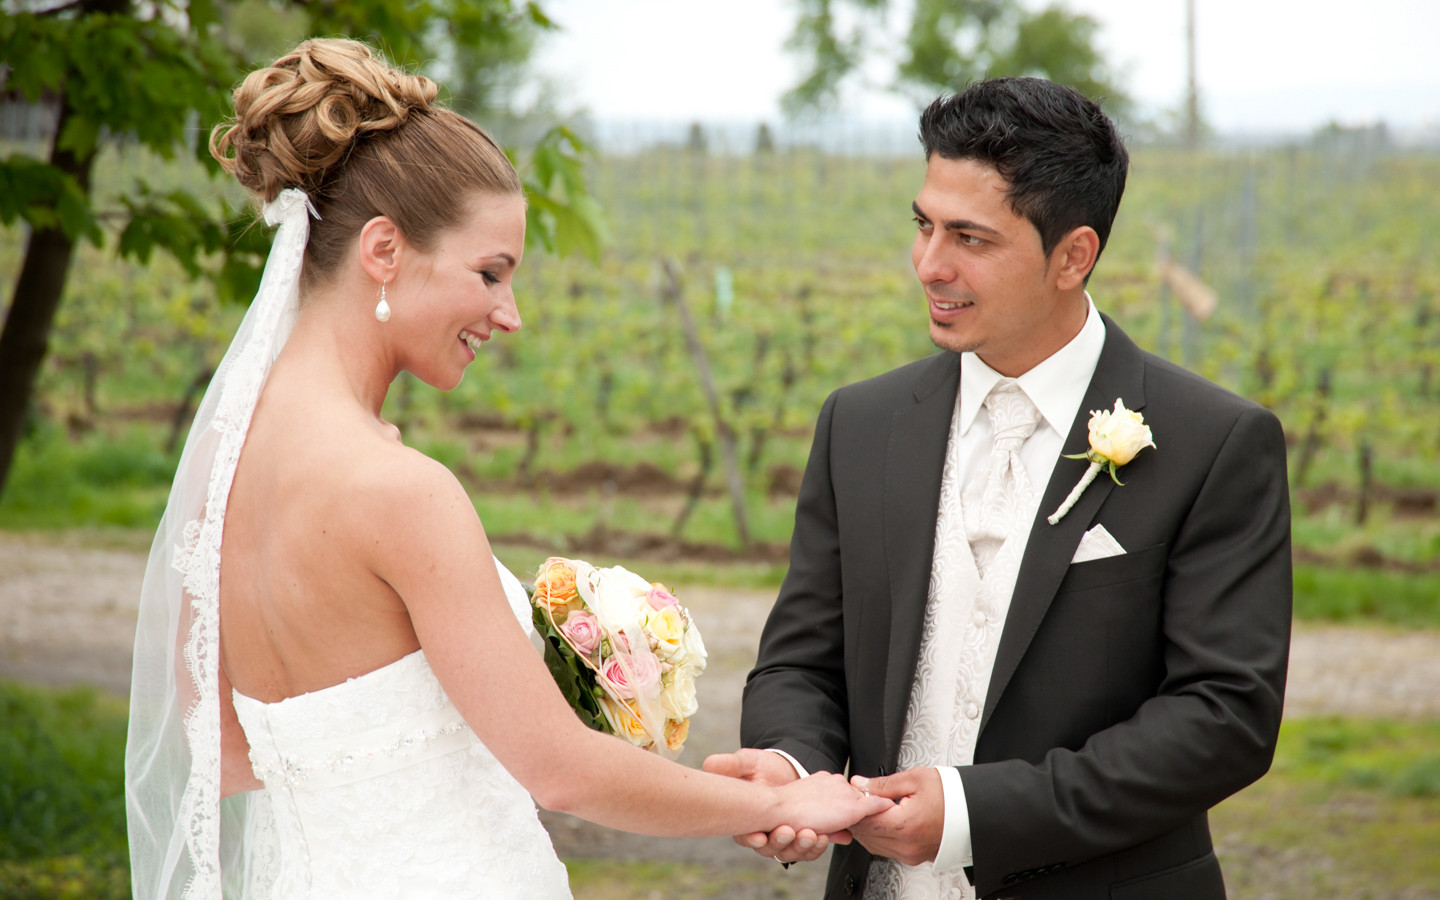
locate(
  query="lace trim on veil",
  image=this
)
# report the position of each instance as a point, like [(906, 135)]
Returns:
[(241, 377)]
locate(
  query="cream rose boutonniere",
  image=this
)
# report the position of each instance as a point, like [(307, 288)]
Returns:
[(1115, 437)]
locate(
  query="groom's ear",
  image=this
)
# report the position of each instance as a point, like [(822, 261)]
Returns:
[(381, 246), (1074, 256)]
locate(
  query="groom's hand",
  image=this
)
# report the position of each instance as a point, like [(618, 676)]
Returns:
[(910, 831), (784, 844)]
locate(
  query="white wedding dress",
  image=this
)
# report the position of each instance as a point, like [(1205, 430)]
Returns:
[(378, 789)]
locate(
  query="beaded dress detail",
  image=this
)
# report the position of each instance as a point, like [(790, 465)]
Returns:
[(379, 789)]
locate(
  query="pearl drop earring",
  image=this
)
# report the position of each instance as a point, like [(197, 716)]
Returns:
[(382, 309)]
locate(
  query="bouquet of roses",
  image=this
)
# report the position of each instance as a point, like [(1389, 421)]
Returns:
[(623, 651)]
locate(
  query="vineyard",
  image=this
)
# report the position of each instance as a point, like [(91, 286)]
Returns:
[(659, 401)]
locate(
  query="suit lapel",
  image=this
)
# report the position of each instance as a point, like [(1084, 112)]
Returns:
[(1118, 374), (914, 465)]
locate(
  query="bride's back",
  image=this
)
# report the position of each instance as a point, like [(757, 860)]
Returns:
[(300, 605)]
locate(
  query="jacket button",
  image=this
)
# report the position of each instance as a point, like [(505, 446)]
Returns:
[(849, 885)]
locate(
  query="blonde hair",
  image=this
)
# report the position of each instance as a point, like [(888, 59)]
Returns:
[(362, 139)]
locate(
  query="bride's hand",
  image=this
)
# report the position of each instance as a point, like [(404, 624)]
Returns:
[(828, 804)]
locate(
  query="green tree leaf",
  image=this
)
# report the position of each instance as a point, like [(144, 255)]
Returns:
[(146, 73), (946, 44)]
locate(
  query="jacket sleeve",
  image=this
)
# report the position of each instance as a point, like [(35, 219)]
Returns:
[(795, 696), (1210, 727)]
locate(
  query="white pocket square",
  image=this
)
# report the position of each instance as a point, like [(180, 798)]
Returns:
[(1097, 543)]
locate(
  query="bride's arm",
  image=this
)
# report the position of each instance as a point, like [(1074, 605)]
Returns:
[(435, 555), (236, 773)]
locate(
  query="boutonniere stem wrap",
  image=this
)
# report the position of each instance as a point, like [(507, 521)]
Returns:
[(1115, 437)]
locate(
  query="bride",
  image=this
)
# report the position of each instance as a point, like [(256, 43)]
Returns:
[(325, 638)]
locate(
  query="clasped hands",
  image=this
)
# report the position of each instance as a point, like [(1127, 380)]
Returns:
[(908, 831)]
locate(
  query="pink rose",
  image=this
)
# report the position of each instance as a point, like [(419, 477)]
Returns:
[(620, 641), (632, 676), (660, 598), (583, 631)]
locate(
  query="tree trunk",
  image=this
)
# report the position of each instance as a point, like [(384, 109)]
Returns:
[(26, 335)]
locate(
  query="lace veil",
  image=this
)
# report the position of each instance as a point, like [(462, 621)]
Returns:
[(184, 841)]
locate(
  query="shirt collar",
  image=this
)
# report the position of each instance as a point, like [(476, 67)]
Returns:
[(1056, 385)]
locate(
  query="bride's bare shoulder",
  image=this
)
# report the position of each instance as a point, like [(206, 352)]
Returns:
[(397, 487), (413, 520)]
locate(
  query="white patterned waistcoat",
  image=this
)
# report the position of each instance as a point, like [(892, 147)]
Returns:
[(964, 616)]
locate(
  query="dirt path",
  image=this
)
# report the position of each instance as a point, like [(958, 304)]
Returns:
[(67, 615)]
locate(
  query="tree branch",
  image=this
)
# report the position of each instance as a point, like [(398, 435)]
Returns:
[(58, 9)]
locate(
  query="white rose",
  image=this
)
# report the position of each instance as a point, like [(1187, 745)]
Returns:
[(637, 585), (678, 697), (692, 650), (1119, 435), (614, 600)]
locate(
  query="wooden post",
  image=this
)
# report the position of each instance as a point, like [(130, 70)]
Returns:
[(671, 293)]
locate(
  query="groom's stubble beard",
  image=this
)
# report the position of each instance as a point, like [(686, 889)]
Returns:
[(944, 334), (954, 347)]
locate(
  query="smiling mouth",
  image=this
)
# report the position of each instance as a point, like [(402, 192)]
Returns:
[(472, 339), (951, 305)]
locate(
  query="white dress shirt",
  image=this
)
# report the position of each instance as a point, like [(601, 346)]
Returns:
[(1057, 387)]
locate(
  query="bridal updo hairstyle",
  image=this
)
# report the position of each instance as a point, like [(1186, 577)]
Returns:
[(362, 139)]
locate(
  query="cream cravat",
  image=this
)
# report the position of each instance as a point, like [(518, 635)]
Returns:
[(994, 501)]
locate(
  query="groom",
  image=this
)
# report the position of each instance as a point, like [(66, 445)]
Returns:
[(1053, 706)]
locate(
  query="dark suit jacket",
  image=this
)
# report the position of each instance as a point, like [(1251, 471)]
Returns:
[(1128, 695)]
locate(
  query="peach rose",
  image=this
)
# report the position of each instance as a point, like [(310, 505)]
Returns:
[(676, 731), (555, 588)]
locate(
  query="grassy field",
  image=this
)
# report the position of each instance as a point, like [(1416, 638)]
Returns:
[(589, 429), (1351, 808)]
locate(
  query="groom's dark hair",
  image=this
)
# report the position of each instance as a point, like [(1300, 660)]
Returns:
[(1062, 156)]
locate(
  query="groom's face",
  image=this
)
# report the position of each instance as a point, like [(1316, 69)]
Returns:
[(989, 284)]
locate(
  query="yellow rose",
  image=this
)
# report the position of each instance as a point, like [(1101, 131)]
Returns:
[(1119, 434), (625, 716), (667, 626), (676, 732)]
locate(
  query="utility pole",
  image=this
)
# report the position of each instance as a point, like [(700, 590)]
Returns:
[(1192, 90)]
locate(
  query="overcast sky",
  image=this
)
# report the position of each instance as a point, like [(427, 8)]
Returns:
[(1263, 65)]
